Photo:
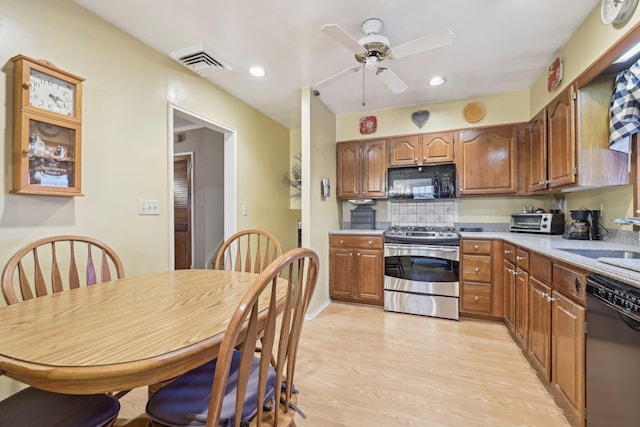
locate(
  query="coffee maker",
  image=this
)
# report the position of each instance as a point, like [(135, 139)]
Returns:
[(585, 225)]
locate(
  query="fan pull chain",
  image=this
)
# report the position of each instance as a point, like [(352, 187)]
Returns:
[(363, 73)]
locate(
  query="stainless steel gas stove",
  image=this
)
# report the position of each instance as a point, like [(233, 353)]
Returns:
[(421, 270)]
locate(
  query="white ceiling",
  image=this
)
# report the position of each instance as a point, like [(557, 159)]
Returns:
[(499, 45)]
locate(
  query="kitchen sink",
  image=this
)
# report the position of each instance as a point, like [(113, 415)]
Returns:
[(604, 253)]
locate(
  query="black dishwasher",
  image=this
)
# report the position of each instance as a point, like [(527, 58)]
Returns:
[(612, 353)]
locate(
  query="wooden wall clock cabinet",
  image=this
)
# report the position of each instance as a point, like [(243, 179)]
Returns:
[(47, 129)]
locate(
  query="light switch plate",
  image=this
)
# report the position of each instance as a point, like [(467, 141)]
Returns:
[(148, 207)]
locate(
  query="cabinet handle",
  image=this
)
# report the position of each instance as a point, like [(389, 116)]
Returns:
[(424, 159), (507, 252), (476, 298), (342, 242), (350, 253), (477, 270), (544, 294), (358, 253), (370, 242), (476, 247), (519, 258), (25, 152), (415, 160), (552, 299), (577, 284), (26, 85), (461, 190)]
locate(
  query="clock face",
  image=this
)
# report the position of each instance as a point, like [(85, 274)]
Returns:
[(617, 11), (51, 93)]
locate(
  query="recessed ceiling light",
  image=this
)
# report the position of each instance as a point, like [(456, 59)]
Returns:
[(437, 81), (257, 71)]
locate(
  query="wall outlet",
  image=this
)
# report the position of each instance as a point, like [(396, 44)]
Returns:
[(148, 207)]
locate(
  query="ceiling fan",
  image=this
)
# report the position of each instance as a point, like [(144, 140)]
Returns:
[(374, 48)]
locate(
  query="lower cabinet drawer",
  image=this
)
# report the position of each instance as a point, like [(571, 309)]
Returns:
[(476, 268), (476, 298)]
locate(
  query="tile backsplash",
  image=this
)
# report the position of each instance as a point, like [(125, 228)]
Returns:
[(438, 212)]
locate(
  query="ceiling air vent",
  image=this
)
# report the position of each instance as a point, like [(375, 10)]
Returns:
[(200, 59)]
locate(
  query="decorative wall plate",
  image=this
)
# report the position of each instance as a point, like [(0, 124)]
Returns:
[(368, 125), (474, 112), (554, 75), (419, 118)]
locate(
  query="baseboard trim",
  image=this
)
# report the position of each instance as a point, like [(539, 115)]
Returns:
[(311, 316)]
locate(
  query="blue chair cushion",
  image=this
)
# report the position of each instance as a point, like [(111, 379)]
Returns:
[(32, 407), (185, 401)]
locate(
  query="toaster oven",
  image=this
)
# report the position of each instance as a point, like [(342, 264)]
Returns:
[(544, 223)]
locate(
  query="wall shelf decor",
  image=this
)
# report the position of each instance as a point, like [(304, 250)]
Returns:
[(47, 129)]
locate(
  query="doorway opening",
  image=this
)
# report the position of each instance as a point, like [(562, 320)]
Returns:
[(202, 153)]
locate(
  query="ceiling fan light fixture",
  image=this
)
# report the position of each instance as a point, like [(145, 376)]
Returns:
[(437, 81), (371, 63), (257, 71)]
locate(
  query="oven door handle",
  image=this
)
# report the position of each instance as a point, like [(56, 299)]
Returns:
[(440, 248)]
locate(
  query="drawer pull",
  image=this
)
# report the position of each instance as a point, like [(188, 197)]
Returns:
[(476, 247), (370, 242), (507, 252), (577, 284), (342, 242), (519, 258), (552, 299), (476, 298), (477, 270), (358, 253)]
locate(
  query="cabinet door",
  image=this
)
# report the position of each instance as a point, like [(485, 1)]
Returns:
[(568, 347), (348, 170), (487, 162), (405, 151), (374, 169), (538, 152), (540, 326), (508, 278), (561, 139), (369, 275), (341, 277), (521, 299), (437, 147)]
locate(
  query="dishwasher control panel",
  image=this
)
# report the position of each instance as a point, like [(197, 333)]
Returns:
[(621, 296)]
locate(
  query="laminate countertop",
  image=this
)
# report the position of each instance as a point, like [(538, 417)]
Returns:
[(624, 270)]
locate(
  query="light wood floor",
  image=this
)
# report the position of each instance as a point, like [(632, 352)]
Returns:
[(360, 366)]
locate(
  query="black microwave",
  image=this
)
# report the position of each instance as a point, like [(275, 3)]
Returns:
[(422, 182)]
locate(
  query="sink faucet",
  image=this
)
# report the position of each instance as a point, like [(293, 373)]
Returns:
[(627, 221)]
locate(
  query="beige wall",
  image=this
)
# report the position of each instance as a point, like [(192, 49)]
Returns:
[(319, 214)]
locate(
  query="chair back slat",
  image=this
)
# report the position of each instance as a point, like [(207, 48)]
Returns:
[(25, 286), (74, 276), (105, 271), (56, 278), (282, 317), (249, 250), (41, 288), (35, 269), (91, 269)]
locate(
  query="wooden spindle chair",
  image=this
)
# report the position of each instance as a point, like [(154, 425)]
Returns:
[(250, 251), (58, 263), (235, 385), (50, 265)]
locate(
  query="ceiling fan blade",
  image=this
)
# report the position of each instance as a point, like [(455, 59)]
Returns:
[(326, 81), (422, 44), (392, 81), (343, 37)]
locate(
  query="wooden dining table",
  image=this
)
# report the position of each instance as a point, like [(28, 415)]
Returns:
[(121, 334)]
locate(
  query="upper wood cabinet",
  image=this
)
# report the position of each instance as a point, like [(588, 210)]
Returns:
[(418, 150), (569, 141), (537, 155), (487, 160), (561, 139), (361, 169)]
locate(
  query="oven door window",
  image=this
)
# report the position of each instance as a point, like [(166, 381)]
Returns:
[(421, 269)]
